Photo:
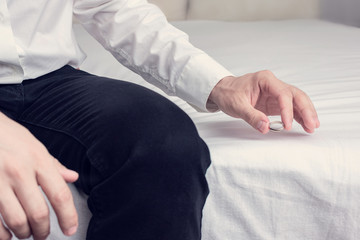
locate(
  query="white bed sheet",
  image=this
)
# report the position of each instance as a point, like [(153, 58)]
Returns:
[(287, 185)]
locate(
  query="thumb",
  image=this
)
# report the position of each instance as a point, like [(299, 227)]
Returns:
[(69, 176), (256, 119)]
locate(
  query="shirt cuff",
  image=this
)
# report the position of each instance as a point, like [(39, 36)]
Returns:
[(198, 79)]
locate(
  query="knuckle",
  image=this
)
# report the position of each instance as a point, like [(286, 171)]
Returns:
[(16, 174), (286, 92), (267, 72), (264, 74), (13, 171), (39, 216), (19, 226), (62, 196)]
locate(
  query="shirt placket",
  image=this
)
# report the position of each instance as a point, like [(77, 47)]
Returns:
[(10, 68)]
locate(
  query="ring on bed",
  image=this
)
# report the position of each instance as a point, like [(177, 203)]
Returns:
[(276, 126)]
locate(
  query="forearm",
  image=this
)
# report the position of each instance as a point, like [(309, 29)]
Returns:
[(139, 36)]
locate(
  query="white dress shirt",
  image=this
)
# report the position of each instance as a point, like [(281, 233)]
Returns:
[(36, 38)]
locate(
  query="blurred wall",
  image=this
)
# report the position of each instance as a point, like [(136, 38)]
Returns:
[(250, 10), (341, 11)]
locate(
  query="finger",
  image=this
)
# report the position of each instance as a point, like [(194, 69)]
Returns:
[(256, 119), (284, 96), (299, 119), (301, 122), (60, 198), (68, 175), (4, 232), (13, 214), (305, 111), (286, 110), (309, 128), (35, 208)]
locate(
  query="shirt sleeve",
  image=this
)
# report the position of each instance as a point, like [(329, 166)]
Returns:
[(139, 36)]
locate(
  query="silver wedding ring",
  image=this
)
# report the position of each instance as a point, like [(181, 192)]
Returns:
[(276, 126)]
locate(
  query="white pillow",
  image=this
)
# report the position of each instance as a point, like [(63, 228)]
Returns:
[(248, 10), (174, 10)]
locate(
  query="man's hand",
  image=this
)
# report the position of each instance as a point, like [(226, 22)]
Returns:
[(255, 96), (24, 164)]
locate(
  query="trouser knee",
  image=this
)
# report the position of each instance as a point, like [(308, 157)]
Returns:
[(159, 184)]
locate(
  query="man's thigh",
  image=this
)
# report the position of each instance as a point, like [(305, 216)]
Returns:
[(92, 124)]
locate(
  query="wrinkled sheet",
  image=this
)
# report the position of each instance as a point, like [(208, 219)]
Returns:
[(286, 185)]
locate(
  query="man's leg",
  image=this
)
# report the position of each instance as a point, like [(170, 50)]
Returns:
[(139, 156)]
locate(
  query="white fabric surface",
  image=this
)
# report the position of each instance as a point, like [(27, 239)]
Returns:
[(287, 185)]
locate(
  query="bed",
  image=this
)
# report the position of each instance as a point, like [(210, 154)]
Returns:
[(283, 185)]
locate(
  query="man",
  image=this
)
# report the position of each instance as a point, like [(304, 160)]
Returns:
[(138, 156)]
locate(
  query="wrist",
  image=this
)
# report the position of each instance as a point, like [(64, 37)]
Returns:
[(216, 93)]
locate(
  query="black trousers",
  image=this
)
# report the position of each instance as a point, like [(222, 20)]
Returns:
[(139, 157)]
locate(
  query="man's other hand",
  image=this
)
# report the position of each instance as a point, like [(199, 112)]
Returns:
[(26, 164), (255, 96)]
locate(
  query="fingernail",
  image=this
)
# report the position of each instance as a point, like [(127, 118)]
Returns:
[(71, 231), (261, 126)]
